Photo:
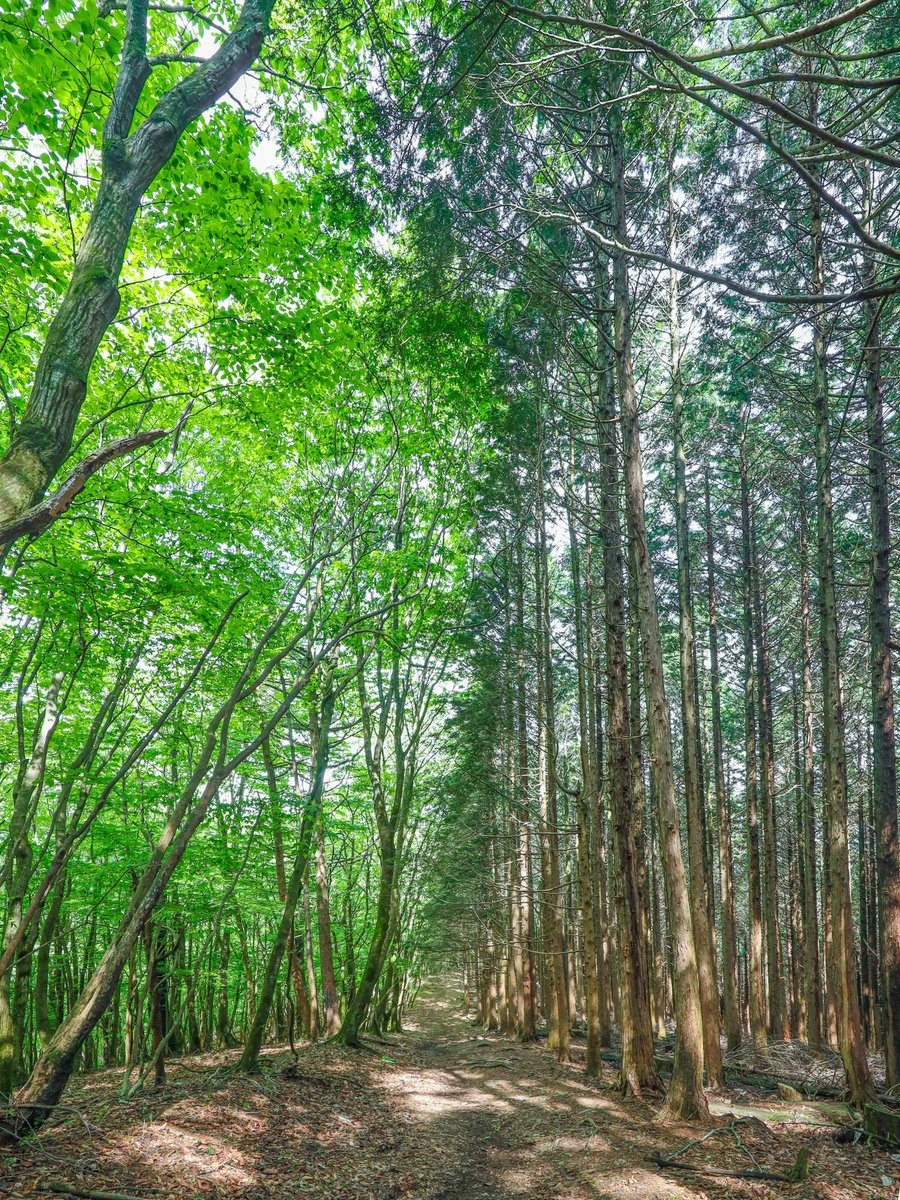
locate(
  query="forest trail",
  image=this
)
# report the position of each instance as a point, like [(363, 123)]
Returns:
[(444, 1111), (516, 1125)]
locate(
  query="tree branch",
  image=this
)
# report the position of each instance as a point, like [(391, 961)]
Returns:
[(38, 518)]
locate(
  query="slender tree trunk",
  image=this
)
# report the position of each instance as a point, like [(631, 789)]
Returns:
[(553, 905), (295, 972), (777, 1024), (326, 949), (756, 986), (843, 965), (517, 937), (585, 803), (882, 687), (598, 813), (791, 919), (867, 997), (223, 1025), (16, 872), (686, 1099), (690, 717), (315, 1021), (812, 974), (529, 976), (638, 1070), (155, 943), (292, 889), (249, 972), (723, 809)]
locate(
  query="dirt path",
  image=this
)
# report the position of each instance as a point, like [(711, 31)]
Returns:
[(513, 1123), (443, 1112), (510, 1122)]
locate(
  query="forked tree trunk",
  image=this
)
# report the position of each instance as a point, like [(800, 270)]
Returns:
[(43, 1018)]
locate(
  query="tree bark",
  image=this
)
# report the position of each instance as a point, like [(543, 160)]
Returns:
[(130, 161), (812, 973), (585, 803), (723, 808), (529, 975), (326, 949), (882, 690), (755, 966), (777, 1023), (843, 965), (686, 1099), (17, 868), (551, 879), (638, 1069), (690, 717)]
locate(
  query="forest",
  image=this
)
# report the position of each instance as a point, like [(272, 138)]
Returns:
[(447, 496)]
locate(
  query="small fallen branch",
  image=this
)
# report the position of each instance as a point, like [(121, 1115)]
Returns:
[(798, 1172), (69, 1189)]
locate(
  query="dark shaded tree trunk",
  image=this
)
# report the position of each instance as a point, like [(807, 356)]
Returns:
[(551, 879), (585, 803)]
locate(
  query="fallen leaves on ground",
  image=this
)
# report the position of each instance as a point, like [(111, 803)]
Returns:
[(441, 1113)]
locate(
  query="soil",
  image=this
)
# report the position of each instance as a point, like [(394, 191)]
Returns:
[(443, 1111)]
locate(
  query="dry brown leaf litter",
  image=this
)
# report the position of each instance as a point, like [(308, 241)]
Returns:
[(445, 1113)]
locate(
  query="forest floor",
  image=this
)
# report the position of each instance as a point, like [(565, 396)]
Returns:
[(443, 1112)]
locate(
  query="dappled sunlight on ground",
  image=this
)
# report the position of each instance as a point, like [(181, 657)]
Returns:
[(164, 1146), (521, 1125), (444, 1111)]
